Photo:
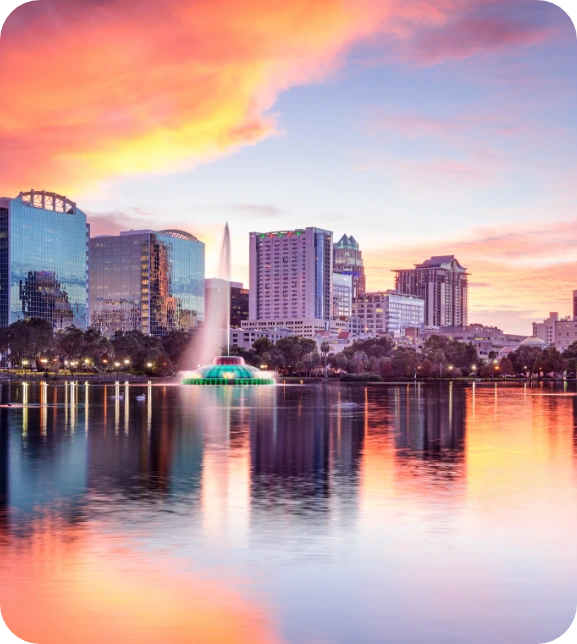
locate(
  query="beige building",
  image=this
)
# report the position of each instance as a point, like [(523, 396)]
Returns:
[(558, 332), (442, 283)]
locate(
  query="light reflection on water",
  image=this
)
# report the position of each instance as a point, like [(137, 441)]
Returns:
[(402, 513)]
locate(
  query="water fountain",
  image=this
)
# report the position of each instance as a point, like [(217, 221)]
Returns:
[(227, 369)]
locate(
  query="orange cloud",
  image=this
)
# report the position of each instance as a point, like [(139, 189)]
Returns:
[(98, 90)]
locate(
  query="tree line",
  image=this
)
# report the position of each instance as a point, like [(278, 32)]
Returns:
[(381, 358), (33, 343)]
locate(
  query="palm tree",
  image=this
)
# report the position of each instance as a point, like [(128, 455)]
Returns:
[(325, 348)]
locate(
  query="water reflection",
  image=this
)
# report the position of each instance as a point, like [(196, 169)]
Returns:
[(318, 513)]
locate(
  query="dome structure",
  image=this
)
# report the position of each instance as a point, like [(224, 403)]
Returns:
[(229, 370), (534, 341)]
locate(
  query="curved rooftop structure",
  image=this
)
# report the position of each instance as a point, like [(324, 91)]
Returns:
[(534, 341), (48, 201), (178, 234), (229, 370)]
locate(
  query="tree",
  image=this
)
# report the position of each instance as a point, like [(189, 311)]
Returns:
[(524, 358), (426, 368), (387, 370), (342, 361), (98, 348), (33, 339), (405, 362), (307, 363), (359, 360), (377, 347), (325, 348), (506, 367), (176, 345), (70, 343)]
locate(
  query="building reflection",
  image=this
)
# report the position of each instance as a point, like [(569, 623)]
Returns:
[(43, 462), (305, 453), (429, 422)]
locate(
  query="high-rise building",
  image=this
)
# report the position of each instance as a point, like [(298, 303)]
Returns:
[(342, 296), (147, 281), (388, 313), (214, 288), (238, 304), (348, 260), (291, 275), (44, 239), (442, 282)]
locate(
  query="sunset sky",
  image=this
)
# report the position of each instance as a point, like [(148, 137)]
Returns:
[(421, 127)]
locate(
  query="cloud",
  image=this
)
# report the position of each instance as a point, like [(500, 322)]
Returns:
[(517, 274), (98, 90), (469, 35), (266, 211)]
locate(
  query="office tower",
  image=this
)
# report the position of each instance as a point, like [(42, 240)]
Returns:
[(442, 282), (388, 313), (43, 260), (348, 260), (291, 276), (342, 295), (214, 288), (238, 304), (147, 281)]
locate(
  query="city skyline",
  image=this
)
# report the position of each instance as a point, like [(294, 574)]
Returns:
[(439, 128)]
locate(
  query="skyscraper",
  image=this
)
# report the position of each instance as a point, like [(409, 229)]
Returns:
[(43, 260), (238, 300), (442, 282), (348, 260), (291, 275), (146, 281)]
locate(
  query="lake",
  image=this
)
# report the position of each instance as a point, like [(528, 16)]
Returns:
[(404, 513)]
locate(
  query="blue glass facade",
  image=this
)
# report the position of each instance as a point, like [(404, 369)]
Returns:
[(146, 281), (44, 242)]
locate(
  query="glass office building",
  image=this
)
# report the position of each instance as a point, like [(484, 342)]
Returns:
[(44, 240), (146, 281)]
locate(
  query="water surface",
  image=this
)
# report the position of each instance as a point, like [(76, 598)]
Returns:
[(318, 514)]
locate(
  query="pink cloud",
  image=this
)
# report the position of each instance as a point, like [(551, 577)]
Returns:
[(470, 35), (517, 274)]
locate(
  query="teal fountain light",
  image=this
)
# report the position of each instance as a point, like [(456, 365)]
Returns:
[(229, 370)]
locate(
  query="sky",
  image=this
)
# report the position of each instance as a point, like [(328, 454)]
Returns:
[(428, 127)]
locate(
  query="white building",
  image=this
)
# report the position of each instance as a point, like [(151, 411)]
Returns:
[(388, 313), (245, 338), (305, 328), (342, 296), (291, 276)]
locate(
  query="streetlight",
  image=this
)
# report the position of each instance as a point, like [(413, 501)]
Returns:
[(149, 365), (24, 363)]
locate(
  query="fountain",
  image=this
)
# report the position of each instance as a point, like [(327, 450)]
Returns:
[(227, 369)]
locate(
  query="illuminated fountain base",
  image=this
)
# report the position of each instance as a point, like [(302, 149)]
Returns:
[(229, 370)]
